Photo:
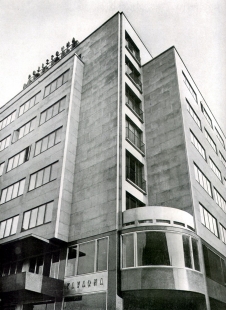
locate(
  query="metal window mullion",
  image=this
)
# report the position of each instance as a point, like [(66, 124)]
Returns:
[(135, 249), (95, 257)]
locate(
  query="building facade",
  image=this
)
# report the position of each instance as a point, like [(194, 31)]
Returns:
[(113, 183)]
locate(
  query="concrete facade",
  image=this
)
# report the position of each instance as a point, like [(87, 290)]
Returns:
[(113, 173)]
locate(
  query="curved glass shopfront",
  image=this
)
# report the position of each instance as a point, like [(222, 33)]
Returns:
[(158, 248)]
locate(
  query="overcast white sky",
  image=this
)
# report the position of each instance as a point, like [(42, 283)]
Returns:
[(33, 30)]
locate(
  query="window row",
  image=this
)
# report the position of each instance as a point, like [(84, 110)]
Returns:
[(220, 200), (12, 191), (63, 78), (208, 220), (48, 141), (132, 47), (133, 74), (210, 140), (198, 145), (8, 227), (29, 104), (4, 143), (154, 248), (202, 180), (37, 216), (18, 159), (215, 169), (52, 111), (47, 265), (132, 202), (87, 257), (43, 176), (7, 120), (193, 114), (24, 130), (187, 83)]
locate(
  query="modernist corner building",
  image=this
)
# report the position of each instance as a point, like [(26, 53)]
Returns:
[(113, 183)]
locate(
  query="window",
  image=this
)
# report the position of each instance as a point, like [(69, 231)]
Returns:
[(8, 227), (198, 145), (152, 248), (48, 141), (18, 159), (63, 78), (29, 104), (132, 202), (193, 114), (222, 159), (2, 168), (134, 103), (87, 257), (52, 111), (219, 137), (210, 140), (134, 171), (220, 200), (202, 180), (208, 118), (132, 47), (215, 169), (4, 143), (215, 266), (37, 216), (43, 176), (7, 120), (12, 191), (133, 74), (187, 83), (223, 233), (134, 135), (208, 220), (24, 130)]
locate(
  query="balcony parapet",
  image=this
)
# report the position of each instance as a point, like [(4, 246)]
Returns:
[(52, 62)]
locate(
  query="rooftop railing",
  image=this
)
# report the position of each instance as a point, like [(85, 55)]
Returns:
[(50, 63)]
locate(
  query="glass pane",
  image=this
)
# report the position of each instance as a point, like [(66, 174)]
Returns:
[(32, 102), (55, 265), (9, 193), (59, 81), (46, 177), (102, 254), (175, 246), (43, 117), (12, 268), (38, 147), (21, 132), (49, 211), (26, 220), (86, 257), (10, 164), (15, 190), (53, 86), (71, 262), (152, 249), (55, 108), (53, 172), (66, 75), (2, 229), (216, 273), (1, 168), (195, 254), (44, 144), (49, 113), (21, 158), (58, 136), (32, 125), (62, 104), (21, 187), (32, 264), (26, 106), (187, 251), (32, 181), (127, 251), (27, 128), (16, 160), (8, 227), (41, 213), (33, 219), (47, 90), (21, 110), (14, 225), (39, 265), (39, 180), (3, 196), (37, 98), (51, 140)]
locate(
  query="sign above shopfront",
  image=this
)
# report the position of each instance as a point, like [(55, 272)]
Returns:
[(88, 283)]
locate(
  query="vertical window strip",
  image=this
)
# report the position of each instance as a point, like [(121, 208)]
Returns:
[(63, 78), (208, 220), (202, 180), (8, 227), (220, 200), (223, 233), (37, 216), (43, 176), (4, 143), (187, 83), (48, 141), (2, 168), (215, 169), (29, 104), (7, 120), (193, 114), (219, 137), (210, 140), (198, 145), (12, 191)]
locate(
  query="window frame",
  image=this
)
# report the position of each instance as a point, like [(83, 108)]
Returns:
[(5, 190), (35, 174), (54, 82), (8, 120), (55, 141), (209, 216), (27, 151), (28, 102), (12, 230)]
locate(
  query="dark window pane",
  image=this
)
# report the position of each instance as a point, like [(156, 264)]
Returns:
[(39, 267), (216, 273), (127, 251), (102, 247), (71, 261), (55, 265), (152, 249), (195, 254), (32, 264), (86, 257), (187, 251)]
